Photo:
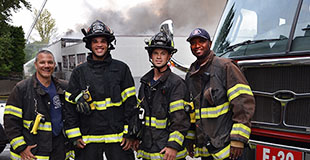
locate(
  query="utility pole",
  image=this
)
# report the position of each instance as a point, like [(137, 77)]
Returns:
[(35, 21)]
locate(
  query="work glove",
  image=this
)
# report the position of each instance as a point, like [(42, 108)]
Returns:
[(81, 104)]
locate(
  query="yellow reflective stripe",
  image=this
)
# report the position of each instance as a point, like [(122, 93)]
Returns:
[(176, 105), (237, 90), (201, 152), (224, 153), (177, 137), (190, 134), (125, 129), (158, 156), (157, 123), (70, 154), (47, 126), (74, 132), (103, 105), (213, 112), (9, 109), (131, 91), (15, 156), (241, 129), (67, 95), (17, 142), (109, 138)]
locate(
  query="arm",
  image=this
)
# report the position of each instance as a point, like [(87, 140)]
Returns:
[(70, 114), (242, 101), (179, 119)]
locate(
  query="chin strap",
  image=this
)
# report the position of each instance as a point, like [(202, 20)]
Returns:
[(160, 67)]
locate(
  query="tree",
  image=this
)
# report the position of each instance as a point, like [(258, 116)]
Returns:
[(7, 6), (12, 40), (45, 26)]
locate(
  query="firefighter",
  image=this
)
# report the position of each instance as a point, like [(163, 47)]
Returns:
[(33, 116), (161, 95), (223, 100), (100, 100)]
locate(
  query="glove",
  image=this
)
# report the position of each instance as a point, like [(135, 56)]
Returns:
[(82, 106)]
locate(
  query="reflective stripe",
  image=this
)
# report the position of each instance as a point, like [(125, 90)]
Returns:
[(15, 111), (213, 112), (15, 156), (17, 142), (176, 105), (202, 152), (74, 132), (125, 129), (241, 129), (67, 95), (131, 91), (177, 137), (158, 156), (47, 126), (70, 154), (103, 105), (237, 90), (224, 153), (109, 138), (190, 134), (157, 123)]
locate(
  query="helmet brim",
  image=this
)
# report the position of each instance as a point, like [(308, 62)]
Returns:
[(171, 50), (109, 37)]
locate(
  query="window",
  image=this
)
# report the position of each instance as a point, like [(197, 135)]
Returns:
[(65, 61), (72, 61)]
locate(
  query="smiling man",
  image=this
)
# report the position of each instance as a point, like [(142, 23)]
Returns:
[(33, 116), (223, 100), (100, 101)]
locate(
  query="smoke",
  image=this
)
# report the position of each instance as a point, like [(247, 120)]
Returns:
[(145, 18)]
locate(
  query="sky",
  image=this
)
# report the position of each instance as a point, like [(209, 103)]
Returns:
[(125, 17)]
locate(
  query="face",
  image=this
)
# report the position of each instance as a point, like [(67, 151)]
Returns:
[(99, 46), (45, 66), (200, 47), (160, 57)]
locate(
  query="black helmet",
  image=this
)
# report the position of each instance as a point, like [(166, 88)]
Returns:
[(96, 29), (161, 40)]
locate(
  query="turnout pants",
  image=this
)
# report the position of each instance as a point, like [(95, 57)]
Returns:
[(94, 151)]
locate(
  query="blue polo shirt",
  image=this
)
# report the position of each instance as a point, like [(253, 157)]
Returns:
[(55, 108)]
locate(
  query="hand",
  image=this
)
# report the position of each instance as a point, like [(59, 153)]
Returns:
[(235, 152), (26, 154), (79, 143), (127, 142), (190, 149), (82, 106), (135, 145), (170, 153)]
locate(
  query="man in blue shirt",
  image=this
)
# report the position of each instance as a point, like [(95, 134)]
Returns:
[(33, 116)]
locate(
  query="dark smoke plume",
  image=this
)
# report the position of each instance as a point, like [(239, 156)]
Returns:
[(144, 19)]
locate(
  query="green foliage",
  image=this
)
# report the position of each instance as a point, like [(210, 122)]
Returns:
[(46, 26), (7, 6), (12, 44)]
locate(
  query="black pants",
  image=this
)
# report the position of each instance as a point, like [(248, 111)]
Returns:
[(113, 151)]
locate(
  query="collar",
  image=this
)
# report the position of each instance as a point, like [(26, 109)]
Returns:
[(149, 76), (99, 64), (205, 64)]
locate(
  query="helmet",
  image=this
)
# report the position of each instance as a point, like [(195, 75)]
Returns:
[(96, 29), (161, 40)]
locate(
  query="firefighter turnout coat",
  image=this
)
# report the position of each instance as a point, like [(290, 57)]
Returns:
[(111, 87), (26, 100), (224, 105), (166, 121)]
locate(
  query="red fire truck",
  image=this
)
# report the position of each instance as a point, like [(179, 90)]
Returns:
[(270, 40)]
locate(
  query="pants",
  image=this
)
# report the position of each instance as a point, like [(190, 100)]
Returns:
[(113, 151)]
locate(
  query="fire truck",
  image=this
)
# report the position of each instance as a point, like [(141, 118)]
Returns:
[(270, 40)]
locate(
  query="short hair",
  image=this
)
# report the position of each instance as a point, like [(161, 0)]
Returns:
[(44, 52)]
